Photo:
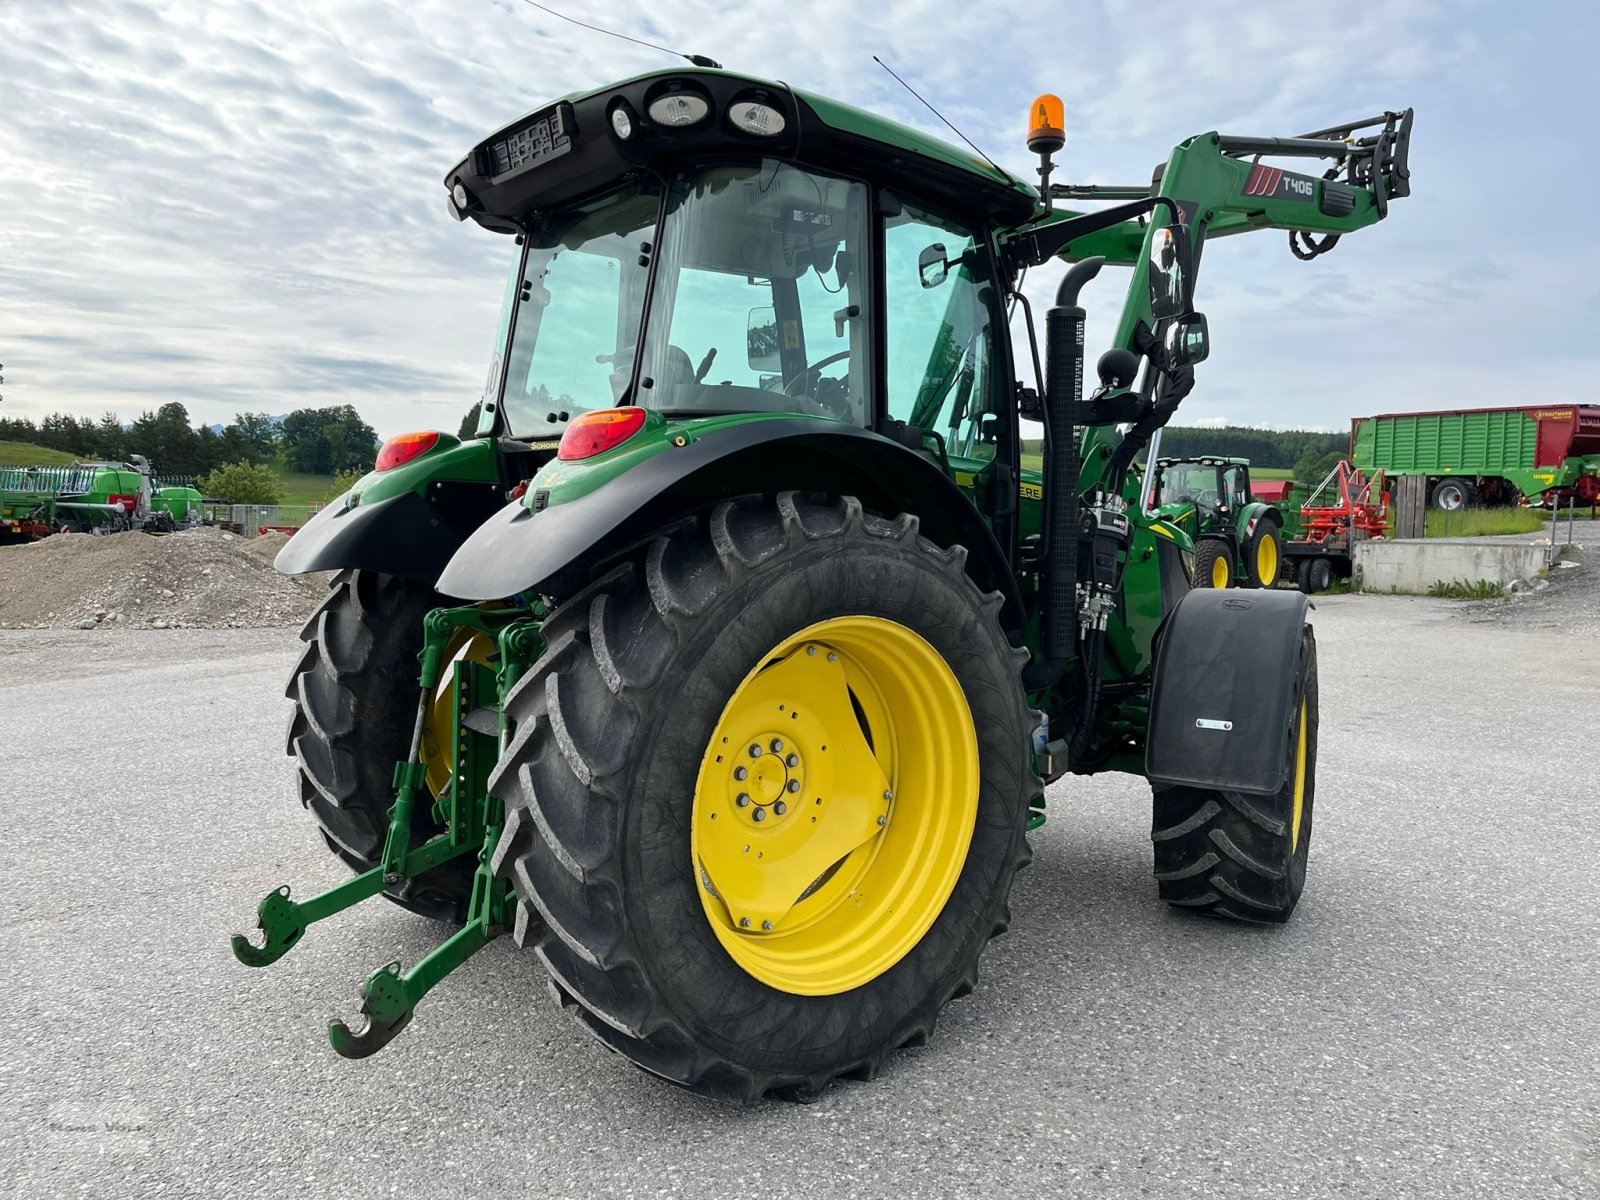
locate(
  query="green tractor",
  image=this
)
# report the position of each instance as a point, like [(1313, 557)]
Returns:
[(1238, 540), (746, 643)]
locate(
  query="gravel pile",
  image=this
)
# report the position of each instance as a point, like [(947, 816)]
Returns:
[(200, 578)]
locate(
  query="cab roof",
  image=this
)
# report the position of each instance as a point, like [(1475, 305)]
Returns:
[(575, 151)]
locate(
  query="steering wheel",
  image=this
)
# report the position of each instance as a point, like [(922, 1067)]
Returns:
[(811, 372)]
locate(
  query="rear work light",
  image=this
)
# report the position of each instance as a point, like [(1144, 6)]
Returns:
[(400, 450), (596, 432)]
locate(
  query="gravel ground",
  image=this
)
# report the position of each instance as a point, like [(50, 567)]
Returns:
[(199, 578), (1426, 1026)]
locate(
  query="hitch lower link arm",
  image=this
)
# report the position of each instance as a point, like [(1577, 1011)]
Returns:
[(389, 995)]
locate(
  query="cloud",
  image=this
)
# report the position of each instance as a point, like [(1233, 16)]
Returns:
[(238, 203)]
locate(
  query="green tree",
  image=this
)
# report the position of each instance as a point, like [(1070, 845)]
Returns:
[(63, 431), (1313, 468), (110, 438), (166, 438), (241, 483), (253, 437), (325, 441), (469, 423)]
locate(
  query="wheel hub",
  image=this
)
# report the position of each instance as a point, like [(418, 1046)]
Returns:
[(806, 876)]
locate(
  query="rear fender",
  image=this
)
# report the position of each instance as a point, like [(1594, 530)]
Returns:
[(406, 521), (1223, 691), (553, 550)]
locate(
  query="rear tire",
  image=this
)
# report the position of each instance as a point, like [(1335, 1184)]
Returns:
[(616, 727), (355, 694), (1224, 854), (1214, 565), (1314, 575), (1266, 553)]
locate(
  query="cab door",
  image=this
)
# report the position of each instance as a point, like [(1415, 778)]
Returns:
[(946, 364)]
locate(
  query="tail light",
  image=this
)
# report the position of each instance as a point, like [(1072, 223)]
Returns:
[(593, 433), (398, 451)]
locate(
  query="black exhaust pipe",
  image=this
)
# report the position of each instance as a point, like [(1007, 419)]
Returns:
[(1063, 404)]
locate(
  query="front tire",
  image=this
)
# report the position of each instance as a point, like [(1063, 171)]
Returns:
[(1213, 564), (640, 871), (1453, 495), (1225, 854)]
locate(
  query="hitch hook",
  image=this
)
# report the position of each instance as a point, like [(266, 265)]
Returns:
[(279, 921), (387, 1012)]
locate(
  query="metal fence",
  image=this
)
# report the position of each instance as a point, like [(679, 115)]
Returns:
[(251, 520)]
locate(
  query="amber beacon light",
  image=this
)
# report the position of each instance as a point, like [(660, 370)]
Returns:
[(1047, 125)]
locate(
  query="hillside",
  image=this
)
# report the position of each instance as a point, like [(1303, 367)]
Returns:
[(26, 454)]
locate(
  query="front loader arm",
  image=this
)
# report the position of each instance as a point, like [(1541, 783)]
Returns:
[(1217, 185)]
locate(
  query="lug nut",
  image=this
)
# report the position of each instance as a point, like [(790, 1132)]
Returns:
[(811, 650), (755, 750), (744, 922), (793, 785), (760, 814), (888, 795), (780, 808), (792, 761), (740, 773), (777, 745), (742, 799), (883, 820), (832, 657), (767, 925)]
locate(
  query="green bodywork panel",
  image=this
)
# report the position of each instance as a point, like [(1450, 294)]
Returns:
[(475, 461)]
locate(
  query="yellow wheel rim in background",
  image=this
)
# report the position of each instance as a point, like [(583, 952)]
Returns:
[(835, 805), (1267, 560), (1220, 575), (472, 646), (1299, 783)]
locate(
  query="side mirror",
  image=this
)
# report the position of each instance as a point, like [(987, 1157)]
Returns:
[(1188, 341), (1169, 271), (932, 266), (761, 341)]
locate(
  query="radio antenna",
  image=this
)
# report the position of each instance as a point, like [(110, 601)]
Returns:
[(934, 111), (699, 60)]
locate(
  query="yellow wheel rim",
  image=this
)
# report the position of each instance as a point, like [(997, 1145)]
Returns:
[(835, 805), (1220, 575), (1267, 560), (469, 645), (1299, 783)]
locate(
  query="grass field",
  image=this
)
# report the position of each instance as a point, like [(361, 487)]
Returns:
[(26, 454), (295, 488), (1484, 522)]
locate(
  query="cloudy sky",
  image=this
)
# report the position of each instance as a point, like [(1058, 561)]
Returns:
[(237, 205)]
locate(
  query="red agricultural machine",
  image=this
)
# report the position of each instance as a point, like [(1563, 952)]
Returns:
[(1345, 508)]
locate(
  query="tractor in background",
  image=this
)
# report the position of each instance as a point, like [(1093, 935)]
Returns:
[(725, 668), (1238, 539)]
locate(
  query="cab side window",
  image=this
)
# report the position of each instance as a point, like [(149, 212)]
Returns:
[(941, 323)]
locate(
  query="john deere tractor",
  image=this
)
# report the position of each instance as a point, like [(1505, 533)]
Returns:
[(1238, 540), (725, 668)]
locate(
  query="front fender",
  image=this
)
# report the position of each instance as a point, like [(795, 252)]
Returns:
[(1223, 688), (520, 549)]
